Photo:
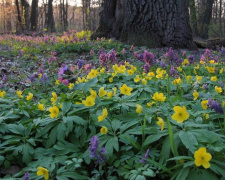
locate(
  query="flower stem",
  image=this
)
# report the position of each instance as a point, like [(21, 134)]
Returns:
[(172, 143)]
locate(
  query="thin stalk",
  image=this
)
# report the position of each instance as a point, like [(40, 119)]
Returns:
[(172, 143)]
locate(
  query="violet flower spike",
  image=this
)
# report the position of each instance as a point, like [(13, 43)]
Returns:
[(143, 159)]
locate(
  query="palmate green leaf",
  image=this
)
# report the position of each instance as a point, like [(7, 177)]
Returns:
[(73, 175), (153, 138), (52, 137), (42, 131), (66, 106), (9, 115), (16, 129), (220, 170), (75, 119), (183, 174), (28, 151), (111, 144), (89, 84), (196, 174), (189, 140)]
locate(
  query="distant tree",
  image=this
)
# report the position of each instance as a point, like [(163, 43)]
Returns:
[(152, 23), (25, 13), (50, 17), (193, 17), (205, 17), (18, 15), (34, 15)]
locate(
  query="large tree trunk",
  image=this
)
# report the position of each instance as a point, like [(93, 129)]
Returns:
[(147, 22), (50, 22), (34, 15)]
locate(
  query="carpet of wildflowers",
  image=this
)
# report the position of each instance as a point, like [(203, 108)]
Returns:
[(101, 109)]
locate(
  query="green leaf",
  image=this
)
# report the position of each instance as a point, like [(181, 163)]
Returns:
[(180, 157), (183, 174), (116, 143), (16, 129), (89, 84), (9, 115), (218, 170), (76, 119), (66, 106), (149, 173), (153, 138), (189, 140)]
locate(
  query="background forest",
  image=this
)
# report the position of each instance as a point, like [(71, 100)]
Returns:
[(207, 17)]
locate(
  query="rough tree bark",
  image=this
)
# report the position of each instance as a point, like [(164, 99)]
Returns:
[(20, 26), (155, 23), (34, 15), (50, 21)]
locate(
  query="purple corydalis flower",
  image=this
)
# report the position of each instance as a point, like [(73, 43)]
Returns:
[(172, 70), (4, 78), (80, 63), (205, 87), (103, 59), (44, 78), (202, 58), (65, 82), (184, 53), (32, 79), (191, 58), (214, 105), (146, 67), (143, 159), (148, 57), (112, 57), (223, 51), (221, 84), (207, 53), (216, 59), (26, 176), (92, 52), (162, 64), (95, 152), (132, 48)]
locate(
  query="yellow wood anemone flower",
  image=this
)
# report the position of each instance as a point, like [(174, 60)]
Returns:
[(195, 94), (104, 130), (2, 94), (54, 112), (90, 101), (30, 96), (54, 97), (19, 93), (139, 109), (202, 158), (93, 93), (158, 97), (71, 85), (102, 92), (125, 90), (103, 116), (42, 171), (41, 107), (161, 123), (180, 114), (204, 104), (218, 89)]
